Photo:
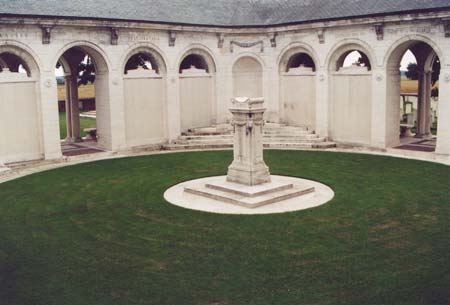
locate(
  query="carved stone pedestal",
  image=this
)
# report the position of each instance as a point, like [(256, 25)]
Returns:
[(248, 166)]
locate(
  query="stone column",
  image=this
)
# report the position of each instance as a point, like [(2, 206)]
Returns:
[(74, 110), (322, 89), (248, 166), (443, 133), (48, 108), (423, 105), (67, 82), (428, 121), (173, 105), (379, 121)]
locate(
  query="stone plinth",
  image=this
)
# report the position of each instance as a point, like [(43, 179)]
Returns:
[(248, 166), (249, 196)]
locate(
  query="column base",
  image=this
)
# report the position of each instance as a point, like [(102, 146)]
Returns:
[(258, 175)]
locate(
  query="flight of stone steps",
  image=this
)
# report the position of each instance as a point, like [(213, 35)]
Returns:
[(275, 136)]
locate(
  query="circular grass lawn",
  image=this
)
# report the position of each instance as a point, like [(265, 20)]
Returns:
[(101, 233)]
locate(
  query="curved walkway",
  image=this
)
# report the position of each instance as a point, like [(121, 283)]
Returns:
[(24, 169)]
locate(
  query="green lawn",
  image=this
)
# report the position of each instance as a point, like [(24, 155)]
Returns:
[(102, 234), (84, 123)]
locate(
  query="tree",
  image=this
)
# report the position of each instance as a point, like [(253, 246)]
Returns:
[(412, 71), (86, 72)]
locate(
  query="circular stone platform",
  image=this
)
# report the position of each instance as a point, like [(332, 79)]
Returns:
[(178, 196)]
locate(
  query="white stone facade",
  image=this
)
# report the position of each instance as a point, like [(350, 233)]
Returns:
[(355, 107)]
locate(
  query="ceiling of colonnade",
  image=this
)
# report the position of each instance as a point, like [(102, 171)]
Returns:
[(224, 13)]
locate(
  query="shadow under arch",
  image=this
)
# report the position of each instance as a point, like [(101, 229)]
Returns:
[(293, 49), (201, 51), (27, 59), (155, 56)]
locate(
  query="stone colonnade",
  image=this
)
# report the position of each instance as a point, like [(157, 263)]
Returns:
[(236, 62)]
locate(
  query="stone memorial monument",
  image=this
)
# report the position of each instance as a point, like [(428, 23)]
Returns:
[(248, 182)]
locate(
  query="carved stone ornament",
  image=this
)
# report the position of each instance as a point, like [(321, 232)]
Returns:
[(321, 36), (46, 34), (49, 82), (246, 44), (221, 39), (172, 38), (379, 30), (273, 40), (114, 36), (446, 23)]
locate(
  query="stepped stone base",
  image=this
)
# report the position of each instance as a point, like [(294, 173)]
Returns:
[(250, 196), (216, 195)]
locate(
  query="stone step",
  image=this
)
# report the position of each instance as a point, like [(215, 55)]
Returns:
[(315, 139), (207, 137), (321, 145), (287, 132), (175, 147), (219, 141), (290, 136), (250, 202)]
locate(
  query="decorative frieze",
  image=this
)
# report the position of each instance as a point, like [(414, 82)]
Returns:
[(246, 45)]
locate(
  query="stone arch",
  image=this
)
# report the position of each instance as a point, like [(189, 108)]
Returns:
[(350, 102), (65, 66), (336, 56), (157, 59), (197, 71), (425, 51), (254, 56), (247, 74), (399, 47), (298, 85), (296, 48), (28, 60), (101, 60), (204, 53), (102, 104), (145, 97), (20, 106)]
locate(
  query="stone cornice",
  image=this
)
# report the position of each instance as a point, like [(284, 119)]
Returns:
[(270, 30)]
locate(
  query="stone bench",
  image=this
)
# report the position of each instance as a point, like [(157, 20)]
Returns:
[(405, 130), (91, 133)]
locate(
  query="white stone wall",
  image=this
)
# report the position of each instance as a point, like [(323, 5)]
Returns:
[(324, 42)]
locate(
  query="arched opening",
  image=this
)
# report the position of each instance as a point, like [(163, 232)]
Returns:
[(194, 61), (350, 96), (21, 138), (197, 90), (145, 98), (82, 78), (413, 94), (298, 89), (353, 58), (247, 77)]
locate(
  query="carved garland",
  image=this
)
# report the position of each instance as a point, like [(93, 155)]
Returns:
[(246, 44)]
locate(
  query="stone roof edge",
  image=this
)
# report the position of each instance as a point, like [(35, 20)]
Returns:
[(422, 14)]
